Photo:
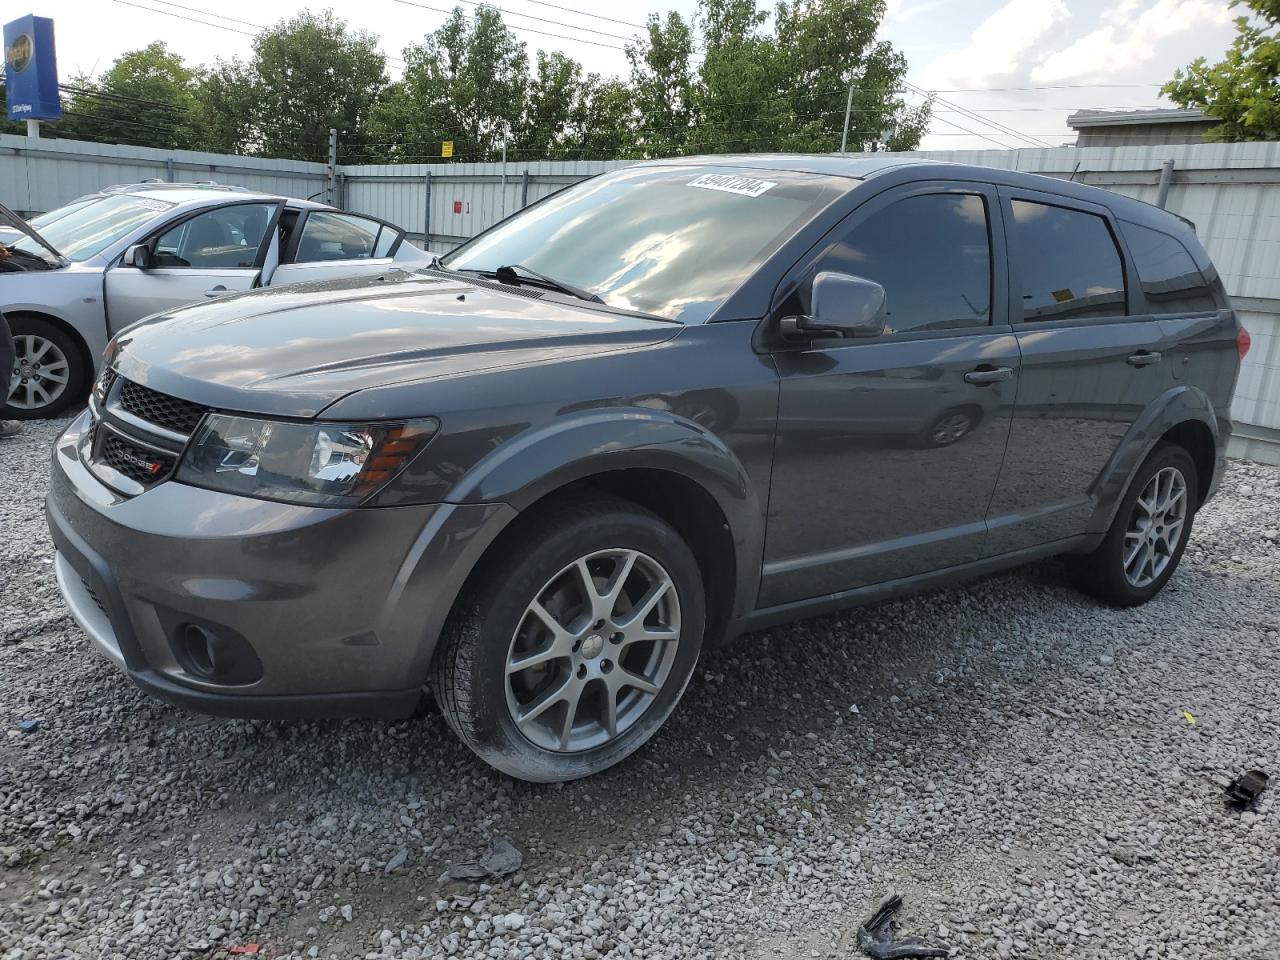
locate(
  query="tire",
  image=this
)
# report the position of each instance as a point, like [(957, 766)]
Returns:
[(49, 388), (1104, 572), (950, 426), (516, 721)]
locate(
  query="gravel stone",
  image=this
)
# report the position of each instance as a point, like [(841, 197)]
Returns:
[(1010, 756)]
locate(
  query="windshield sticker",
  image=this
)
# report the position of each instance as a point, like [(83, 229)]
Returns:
[(728, 183), (148, 204)]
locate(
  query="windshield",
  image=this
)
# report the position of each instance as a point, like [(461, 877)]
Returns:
[(45, 219), (93, 227), (674, 242)]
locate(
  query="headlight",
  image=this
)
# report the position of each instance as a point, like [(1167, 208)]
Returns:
[(323, 464)]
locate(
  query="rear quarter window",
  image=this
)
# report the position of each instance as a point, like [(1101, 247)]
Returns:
[(1170, 278)]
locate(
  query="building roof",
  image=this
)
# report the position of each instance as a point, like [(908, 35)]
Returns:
[(1107, 118)]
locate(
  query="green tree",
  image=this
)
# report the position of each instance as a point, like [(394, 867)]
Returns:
[(468, 82), (308, 74), (1243, 89), (144, 98), (662, 86), (223, 115)]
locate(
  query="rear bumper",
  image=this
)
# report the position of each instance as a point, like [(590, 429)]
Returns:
[(342, 608)]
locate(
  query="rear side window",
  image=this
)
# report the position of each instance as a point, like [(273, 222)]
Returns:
[(338, 236), (1068, 264), (932, 255), (1170, 278)]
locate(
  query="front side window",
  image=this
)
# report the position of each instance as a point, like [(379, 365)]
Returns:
[(1068, 264), (1170, 278), (932, 255), (674, 242), (228, 237), (92, 227), (338, 236)]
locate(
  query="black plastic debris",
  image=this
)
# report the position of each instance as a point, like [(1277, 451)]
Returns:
[(499, 860), (1245, 788), (878, 937)]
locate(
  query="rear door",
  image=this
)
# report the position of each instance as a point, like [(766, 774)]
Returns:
[(208, 254), (1093, 358), (888, 448), (327, 245)]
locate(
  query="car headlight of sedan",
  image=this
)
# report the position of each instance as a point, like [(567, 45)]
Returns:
[(320, 464)]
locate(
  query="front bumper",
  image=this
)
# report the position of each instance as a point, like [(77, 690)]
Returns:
[(341, 607)]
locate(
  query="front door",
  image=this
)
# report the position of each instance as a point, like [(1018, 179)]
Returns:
[(1093, 358), (329, 245), (888, 448), (210, 254)]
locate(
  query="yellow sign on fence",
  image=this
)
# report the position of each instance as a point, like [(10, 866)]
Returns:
[(446, 148)]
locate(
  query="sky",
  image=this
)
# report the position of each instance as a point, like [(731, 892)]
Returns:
[(999, 65)]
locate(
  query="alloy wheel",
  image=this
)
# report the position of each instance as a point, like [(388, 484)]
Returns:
[(593, 650), (951, 428), (1155, 527), (41, 372)]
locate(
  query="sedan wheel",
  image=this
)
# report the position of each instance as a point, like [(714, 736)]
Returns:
[(41, 372)]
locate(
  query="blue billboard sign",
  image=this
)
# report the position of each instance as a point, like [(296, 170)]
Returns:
[(31, 70)]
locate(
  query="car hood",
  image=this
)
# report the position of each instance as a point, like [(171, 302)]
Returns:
[(11, 220), (292, 351)]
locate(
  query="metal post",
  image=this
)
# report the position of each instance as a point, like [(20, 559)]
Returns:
[(168, 169), (524, 190), (426, 214), (504, 170), (33, 129), (1166, 180), (333, 165), (848, 109)]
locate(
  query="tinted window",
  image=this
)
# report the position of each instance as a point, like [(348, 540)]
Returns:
[(336, 236), (1170, 278), (932, 255), (669, 241), (227, 237), (1069, 265)]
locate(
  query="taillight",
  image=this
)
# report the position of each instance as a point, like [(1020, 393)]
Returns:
[(1243, 342)]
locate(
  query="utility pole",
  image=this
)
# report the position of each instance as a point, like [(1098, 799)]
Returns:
[(333, 166), (505, 129), (848, 109)]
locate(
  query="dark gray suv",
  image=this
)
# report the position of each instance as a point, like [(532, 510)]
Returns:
[(679, 401)]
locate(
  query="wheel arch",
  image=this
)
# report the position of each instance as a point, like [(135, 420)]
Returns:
[(1183, 415)]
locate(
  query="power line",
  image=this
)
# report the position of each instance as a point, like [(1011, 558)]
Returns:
[(964, 112), (530, 16), (116, 97), (586, 13), (544, 33)]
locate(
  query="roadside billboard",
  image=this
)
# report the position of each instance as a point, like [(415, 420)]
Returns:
[(31, 69)]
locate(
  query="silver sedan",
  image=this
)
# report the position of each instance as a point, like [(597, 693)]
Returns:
[(108, 259)]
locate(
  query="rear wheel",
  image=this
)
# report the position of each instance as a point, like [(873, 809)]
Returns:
[(49, 372), (1148, 535), (576, 645)]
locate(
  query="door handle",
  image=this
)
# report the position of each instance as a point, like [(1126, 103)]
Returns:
[(1144, 358), (988, 374), (216, 291)]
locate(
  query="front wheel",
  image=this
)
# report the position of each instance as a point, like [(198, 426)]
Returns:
[(1146, 540), (577, 642), (49, 372)]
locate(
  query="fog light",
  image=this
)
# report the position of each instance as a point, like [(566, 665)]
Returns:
[(216, 654)]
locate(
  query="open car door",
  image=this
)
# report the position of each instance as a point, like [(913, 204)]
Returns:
[(331, 244)]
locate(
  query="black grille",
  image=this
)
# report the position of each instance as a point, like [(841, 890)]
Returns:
[(158, 408), (148, 467)]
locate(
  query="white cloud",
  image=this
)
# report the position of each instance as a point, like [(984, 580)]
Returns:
[(999, 45), (1128, 37)]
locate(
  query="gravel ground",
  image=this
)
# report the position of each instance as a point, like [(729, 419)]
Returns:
[(1017, 761)]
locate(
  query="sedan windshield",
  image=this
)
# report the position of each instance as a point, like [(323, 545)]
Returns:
[(672, 242), (93, 227)]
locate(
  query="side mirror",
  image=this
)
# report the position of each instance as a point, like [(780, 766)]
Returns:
[(841, 304), (139, 255)]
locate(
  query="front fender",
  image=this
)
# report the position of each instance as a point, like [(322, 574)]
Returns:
[(1175, 406), (538, 462)]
